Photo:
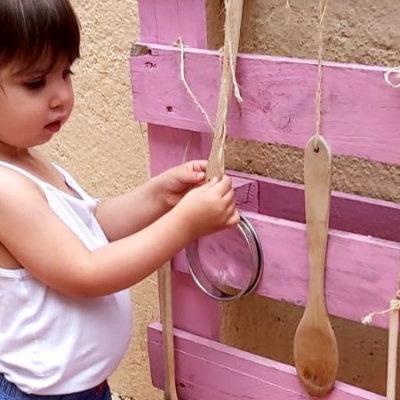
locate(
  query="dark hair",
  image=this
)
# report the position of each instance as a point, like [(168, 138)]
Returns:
[(33, 30)]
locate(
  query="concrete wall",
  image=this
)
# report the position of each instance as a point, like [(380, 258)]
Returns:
[(103, 148)]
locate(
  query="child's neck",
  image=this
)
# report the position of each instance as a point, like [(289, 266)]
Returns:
[(17, 155)]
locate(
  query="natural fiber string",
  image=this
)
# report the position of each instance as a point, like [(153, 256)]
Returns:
[(230, 29), (237, 93), (145, 146), (392, 78), (388, 77), (187, 87), (393, 309), (318, 95), (288, 11), (229, 83), (165, 302), (395, 305), (233, 19)]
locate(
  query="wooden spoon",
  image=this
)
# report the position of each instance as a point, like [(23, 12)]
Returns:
[(164, 276), (315, 349)]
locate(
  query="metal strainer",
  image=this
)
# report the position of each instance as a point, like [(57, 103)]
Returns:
[(227, 265)]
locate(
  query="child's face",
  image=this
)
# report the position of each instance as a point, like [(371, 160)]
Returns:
[(33, 104)]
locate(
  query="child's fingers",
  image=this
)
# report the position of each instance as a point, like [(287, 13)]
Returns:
[(234, 219), (198, 165), (188, 176), (224, 185)]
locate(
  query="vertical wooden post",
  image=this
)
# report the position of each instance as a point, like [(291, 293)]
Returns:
[(163, 22)]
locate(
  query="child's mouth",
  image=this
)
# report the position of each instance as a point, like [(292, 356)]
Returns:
[(54, 126)]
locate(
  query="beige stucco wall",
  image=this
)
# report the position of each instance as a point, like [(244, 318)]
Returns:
[(355, 31), (103, 148)]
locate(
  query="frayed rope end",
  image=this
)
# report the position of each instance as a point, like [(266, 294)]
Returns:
[(394, 305)]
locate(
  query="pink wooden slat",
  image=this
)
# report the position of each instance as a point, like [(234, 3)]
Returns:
[(361, 113), (210, 370), (350, 213), (163, 21), (193, 311), (165, 152), (361, 272), (281, 199), (170, 146)]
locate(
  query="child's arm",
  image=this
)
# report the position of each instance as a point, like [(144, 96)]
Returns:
[(128, 213), (48, 249)]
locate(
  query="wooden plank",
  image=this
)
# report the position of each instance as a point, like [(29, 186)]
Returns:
[(356, 214), (210, 370), (361, 272), (164, 21), (278, 102), (170, 146), (166, 152), (280, 199), (205, 322)]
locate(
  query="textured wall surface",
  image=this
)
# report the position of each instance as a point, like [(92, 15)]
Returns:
[(103, 147), (355, 31)]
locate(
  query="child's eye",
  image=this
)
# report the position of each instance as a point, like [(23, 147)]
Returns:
[(67, 73), (35, 83)]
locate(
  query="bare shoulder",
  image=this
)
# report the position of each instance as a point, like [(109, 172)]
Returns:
[(15, 187), (21, 203)]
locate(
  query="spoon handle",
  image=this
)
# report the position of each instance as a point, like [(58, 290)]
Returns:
[(317, 186), (164, 276), (233, 21)]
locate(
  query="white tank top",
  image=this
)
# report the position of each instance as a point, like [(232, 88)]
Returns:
[(50, 343)]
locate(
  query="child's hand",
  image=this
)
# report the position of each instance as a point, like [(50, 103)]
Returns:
[(209, 208), (177, 181)]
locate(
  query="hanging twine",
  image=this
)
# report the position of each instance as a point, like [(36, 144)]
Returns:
[(229, 84), (394, 307), (288, 8), (187, 87), (318, 95), (392, 77)]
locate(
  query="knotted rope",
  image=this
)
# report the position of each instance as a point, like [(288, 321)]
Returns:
[(229, 84)]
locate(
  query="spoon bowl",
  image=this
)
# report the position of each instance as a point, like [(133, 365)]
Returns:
[(316, 360)]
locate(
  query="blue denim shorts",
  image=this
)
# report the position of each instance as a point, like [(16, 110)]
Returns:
[(8, 391)]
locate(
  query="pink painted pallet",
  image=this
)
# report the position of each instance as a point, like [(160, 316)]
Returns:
[(278, 108)]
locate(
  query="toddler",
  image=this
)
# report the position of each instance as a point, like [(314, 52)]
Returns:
[(67, 261)]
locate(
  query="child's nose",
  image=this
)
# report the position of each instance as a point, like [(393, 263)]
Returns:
[(61, 95)]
